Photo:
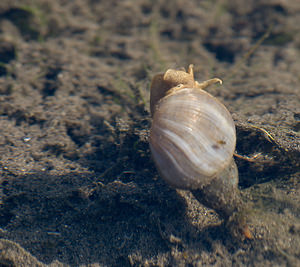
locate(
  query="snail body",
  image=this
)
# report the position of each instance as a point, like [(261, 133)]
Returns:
[(192, 140)]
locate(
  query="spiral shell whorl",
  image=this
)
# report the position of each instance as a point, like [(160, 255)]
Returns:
[(192, 138)]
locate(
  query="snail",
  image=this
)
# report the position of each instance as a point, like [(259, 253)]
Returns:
[(192, 141)]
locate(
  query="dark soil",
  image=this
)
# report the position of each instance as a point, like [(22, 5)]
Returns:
[(78, 185)]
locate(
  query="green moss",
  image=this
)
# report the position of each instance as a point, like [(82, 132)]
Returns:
[(30, 20)]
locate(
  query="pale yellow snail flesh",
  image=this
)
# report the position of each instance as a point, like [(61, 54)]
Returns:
[(192, 140)]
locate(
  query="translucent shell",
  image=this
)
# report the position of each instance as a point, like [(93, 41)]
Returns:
[(192, 138)]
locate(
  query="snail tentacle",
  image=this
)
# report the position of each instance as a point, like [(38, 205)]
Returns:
[(207, 83)]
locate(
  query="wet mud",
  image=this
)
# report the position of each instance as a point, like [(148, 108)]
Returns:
[(78, 185)]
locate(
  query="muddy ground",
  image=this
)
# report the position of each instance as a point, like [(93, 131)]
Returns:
[(78, 185)]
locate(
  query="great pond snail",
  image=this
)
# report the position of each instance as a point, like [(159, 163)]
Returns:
[(192, 140)]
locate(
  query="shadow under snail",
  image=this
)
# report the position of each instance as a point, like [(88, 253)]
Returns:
[(192, 140)]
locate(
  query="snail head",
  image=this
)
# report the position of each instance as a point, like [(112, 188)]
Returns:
[(172, 80)]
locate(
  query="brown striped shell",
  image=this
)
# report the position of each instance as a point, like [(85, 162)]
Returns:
[(192, 138)]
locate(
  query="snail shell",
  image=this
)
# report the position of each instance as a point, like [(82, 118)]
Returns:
[(192, 140)]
